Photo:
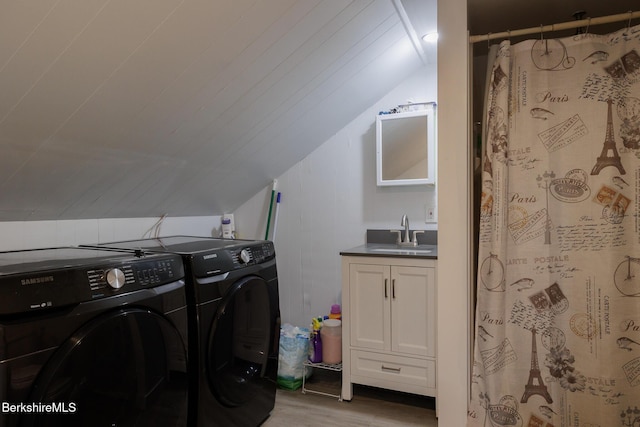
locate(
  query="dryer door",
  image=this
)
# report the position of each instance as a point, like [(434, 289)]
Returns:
[(124, 368), (238, 343)]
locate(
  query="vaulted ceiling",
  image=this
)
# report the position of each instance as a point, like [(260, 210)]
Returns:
[(136, 108)]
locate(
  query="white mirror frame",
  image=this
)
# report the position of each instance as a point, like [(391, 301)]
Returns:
[(429, 113)]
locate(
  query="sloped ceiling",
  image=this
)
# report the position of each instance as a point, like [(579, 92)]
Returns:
[(139, 108)]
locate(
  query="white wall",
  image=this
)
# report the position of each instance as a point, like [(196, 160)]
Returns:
[(329, 200), (454, 234), (41, 234)]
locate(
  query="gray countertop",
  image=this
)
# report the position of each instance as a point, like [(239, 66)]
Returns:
[(393, 250), (382, 243)]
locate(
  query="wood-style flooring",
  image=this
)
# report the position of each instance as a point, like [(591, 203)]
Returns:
[(369, 407)]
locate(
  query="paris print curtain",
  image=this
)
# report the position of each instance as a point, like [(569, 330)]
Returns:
[(557, 332)]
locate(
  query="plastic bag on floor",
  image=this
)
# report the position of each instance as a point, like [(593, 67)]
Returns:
[(294, 350)]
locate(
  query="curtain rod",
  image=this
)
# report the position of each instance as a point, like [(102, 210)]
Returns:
[(557, 27)]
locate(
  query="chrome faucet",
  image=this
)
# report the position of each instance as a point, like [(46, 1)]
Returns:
[(407, 237), (405, 223)]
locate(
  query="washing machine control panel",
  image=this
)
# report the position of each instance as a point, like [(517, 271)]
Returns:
[(115, 278), (53, 284), (244, 256), (132, 276)]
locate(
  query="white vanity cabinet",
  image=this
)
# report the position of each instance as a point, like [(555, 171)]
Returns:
[(389, 324)]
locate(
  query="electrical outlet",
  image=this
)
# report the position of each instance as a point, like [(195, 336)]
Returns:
[(430, 214)]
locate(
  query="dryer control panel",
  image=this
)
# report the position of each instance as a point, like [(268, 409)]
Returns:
[(254, 254), (233, 257)]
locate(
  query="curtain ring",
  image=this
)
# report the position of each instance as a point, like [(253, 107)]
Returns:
[(488, 40), (541, 33), (588, 23), (629, 24), (509, 35)]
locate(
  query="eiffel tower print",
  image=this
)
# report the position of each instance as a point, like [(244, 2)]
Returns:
[(609, 155), (534, 374)]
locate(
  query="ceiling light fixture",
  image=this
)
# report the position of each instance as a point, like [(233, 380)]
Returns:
[(430, 37)]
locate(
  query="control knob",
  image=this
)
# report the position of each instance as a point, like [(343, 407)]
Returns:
[(115, 278), (244, 256)]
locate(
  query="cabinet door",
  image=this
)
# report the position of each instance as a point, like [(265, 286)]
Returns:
[(369, 293), (413, 310)]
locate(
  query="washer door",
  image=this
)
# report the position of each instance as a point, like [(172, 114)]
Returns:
[(124, 368), (238, 343)]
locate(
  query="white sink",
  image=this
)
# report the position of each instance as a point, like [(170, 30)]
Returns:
[(413, 251)]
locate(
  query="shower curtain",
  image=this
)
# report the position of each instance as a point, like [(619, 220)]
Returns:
[(557, 330)]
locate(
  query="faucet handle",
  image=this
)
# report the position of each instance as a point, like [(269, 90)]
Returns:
[(415, 236), (399, 238)]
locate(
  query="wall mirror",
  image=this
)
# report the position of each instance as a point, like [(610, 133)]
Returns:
[(405, 147)]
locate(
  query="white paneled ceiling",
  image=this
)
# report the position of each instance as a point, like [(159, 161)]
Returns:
[(132, 108)]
